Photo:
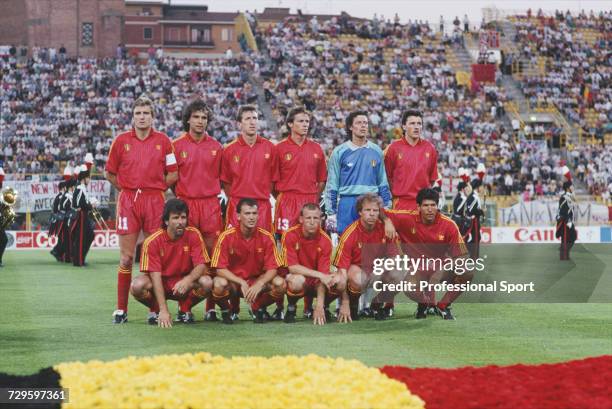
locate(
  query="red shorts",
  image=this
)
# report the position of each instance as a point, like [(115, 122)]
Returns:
[(139, 210), (288, 207), (169, 283), (205, 215), (265, 214), (404, 203)]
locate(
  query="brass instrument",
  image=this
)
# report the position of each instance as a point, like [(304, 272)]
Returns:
[(99, 219), (8, 198)]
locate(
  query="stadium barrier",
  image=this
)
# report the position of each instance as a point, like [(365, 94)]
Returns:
[(108, 239)]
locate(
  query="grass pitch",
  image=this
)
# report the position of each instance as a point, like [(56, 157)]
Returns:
[(54, 313)]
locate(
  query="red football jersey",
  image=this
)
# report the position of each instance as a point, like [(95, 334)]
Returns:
[(249, 169), (300, 167), (352, 241), (410, 168), (246, 258), (173, 258), (441, 236), (313, 253), (199, 166), (141, 164)]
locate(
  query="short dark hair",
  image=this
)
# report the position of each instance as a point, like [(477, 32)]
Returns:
[(368, 197), (246, 202), (411, 112), (567, 184), (293, 112), (309, 206), (243, 109), (62, 185), (173, 206), (461, 185), (349, 121), (194, 106), (427, 194)]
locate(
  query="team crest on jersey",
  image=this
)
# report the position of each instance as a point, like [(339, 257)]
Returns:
[(427, 154), (184, 154), (259, 249), (440, 237), (236, 158), (127, 147), (316, 156), (297, 246), (373, 163), (359, 245), (231, 251), (413, 230), (186, 249), (158, 147), (214, 153), (267, 156), (288, 156), (399, 156), (319, 249), (161, 252)]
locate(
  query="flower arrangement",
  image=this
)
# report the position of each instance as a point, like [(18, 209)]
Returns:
[(205, 381)]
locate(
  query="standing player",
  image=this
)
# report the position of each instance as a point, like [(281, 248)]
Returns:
[(174, 265), (248, 169), (435, 236), (566, 230), (355, 167), (307, 254), (302, 171), (198, 157), (367, 230), (411, 162), (141, 165), (82, 230), (57, 220), (247, 261)]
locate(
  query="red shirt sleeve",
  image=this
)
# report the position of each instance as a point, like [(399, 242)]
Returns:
[(402, 220), (220, 258), (226, 170), (345, 252), (275, 174), (433, 176), (389, 159), (114, 157), (150, 260), (199, 255), (290, 255), (217, 165), (171, 165), (272, 259), (453, 238), (325, 256), (322, 168)]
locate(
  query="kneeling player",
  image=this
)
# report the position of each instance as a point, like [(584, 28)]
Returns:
[(174, 265), (367, 230), (307, 254), (428, 233), (247, 261)]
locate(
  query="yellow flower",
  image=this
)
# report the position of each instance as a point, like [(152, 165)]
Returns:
[(205, 381)]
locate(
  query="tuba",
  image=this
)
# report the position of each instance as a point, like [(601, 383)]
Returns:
[(8, 198)]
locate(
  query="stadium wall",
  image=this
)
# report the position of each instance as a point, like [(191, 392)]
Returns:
[(108, 239)]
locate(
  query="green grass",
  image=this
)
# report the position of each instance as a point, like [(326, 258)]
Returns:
[(54, 313)]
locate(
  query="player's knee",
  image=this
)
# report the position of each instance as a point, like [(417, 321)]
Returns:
[(126, 260), (205, 283), (220, 285), (340, 286), (139, 285), (295, 282), (279, 285)]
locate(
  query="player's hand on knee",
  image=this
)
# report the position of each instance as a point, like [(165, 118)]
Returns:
[(164, 320)]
